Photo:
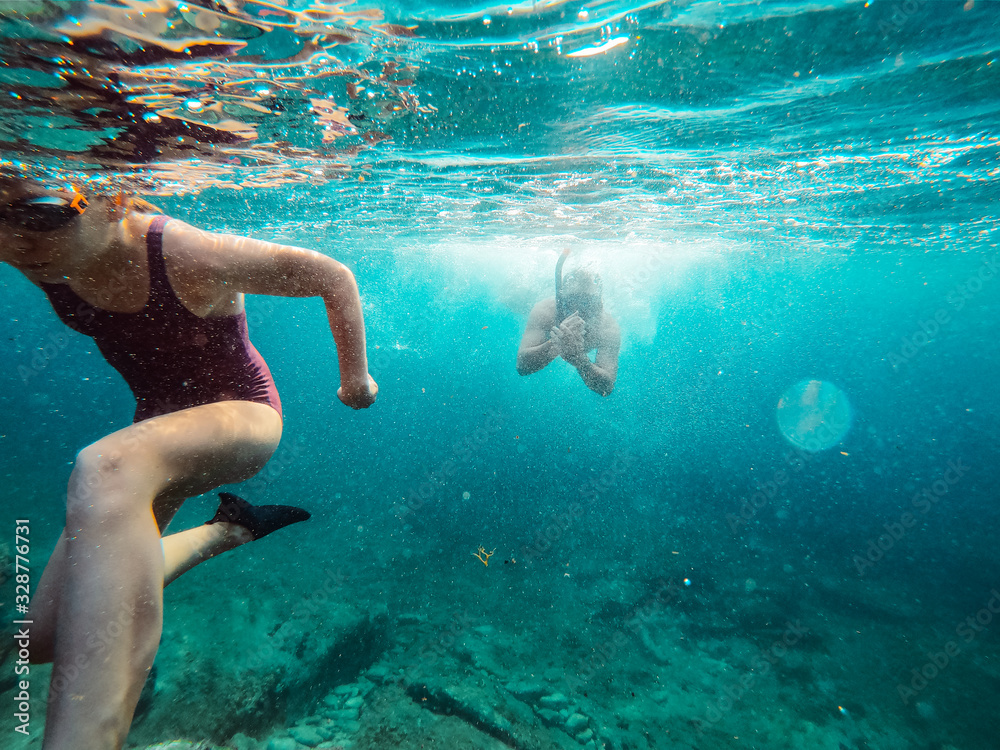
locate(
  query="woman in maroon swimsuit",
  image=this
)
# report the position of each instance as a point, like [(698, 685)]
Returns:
[(164, 303)]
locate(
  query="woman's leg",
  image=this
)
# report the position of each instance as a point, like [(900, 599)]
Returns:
[(45, 604), (185, 549), (181, 552), (110, 580)]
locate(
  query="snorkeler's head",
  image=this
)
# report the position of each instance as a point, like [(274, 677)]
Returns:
[(25, 204), (581, 292)]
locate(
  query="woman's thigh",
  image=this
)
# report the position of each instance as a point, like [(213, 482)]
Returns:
[(185, 453)]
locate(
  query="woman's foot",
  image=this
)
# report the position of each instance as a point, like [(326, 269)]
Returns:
[(259, 520)]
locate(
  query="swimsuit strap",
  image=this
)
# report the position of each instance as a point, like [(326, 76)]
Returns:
[(159, 285)]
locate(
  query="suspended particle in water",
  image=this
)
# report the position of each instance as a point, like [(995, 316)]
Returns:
[(466, 495), (814, 415)]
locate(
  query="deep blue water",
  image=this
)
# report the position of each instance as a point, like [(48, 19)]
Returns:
[(771, 192)]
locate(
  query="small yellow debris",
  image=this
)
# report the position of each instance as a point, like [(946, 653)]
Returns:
[(483, 556)]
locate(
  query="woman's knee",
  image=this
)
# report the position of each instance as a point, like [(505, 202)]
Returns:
[(106, 483)]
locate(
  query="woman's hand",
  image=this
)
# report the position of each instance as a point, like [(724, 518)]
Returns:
[(360, 397)]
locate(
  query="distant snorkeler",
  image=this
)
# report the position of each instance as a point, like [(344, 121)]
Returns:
[(164, 304), (571, 325)]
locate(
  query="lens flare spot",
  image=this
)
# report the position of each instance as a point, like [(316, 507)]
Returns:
[(814, 415)]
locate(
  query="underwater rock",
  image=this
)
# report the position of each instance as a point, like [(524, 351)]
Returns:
[(549, 717), (356, 702), (585, 736), (306, 735), (468, 705), (351, 726), (575, 723), (527, 691), (240, 741), (344, 704), (491, 710), (343, 714), (554, 701), (247, 674), (281, 743)]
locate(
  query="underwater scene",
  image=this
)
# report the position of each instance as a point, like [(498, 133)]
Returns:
[(769, 520)]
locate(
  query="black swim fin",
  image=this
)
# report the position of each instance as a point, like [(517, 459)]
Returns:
[(259, 520)]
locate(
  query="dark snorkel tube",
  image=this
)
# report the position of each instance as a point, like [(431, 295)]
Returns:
[(560, 311)]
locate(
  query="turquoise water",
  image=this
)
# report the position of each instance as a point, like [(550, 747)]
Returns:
[(772, 193)]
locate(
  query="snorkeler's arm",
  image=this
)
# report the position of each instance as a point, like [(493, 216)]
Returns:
[(536, 349), (241, 264), (601, 374)]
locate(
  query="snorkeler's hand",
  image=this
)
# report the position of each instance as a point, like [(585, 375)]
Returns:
[(359, 398), (555, 342), (574, 324), (569, 336)]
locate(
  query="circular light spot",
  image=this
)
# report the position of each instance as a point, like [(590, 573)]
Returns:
[(814, 415)]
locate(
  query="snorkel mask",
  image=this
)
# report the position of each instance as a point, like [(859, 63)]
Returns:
[(44, 213), (581, 293)]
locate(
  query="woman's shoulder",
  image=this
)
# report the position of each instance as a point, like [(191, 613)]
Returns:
[(137, 224), (178, 235)]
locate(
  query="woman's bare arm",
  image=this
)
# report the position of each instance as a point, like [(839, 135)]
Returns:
[(232, 264)]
